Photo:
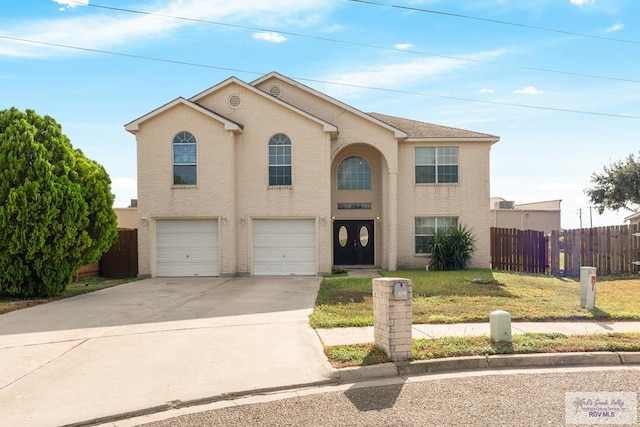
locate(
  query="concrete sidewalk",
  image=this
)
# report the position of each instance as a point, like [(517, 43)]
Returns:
[(344, 336)]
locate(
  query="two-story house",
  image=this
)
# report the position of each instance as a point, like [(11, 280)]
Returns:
[(273, 177)]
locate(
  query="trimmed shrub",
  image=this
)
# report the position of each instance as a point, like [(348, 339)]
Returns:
[(55, 206)]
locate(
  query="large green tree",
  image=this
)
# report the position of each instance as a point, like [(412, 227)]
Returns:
[(55, 206), (617, 187)]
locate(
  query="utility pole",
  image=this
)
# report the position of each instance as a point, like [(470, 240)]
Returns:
[(590, 217), (580, 215)]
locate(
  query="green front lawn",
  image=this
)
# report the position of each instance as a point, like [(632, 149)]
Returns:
[(470, 295)]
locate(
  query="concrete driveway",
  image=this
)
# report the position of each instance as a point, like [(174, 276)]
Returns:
[(147, 343)]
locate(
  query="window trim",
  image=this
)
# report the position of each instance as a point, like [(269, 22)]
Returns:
[(437, 165), (454, 219), (178, 140), (288, 165)]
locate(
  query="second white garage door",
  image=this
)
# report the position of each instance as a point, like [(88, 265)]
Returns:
[(187, 247), (284, 247)]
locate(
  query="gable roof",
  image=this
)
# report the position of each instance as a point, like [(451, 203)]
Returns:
[(328, 127), (422, 130), (228, 124), (398, 133), (633, 217)]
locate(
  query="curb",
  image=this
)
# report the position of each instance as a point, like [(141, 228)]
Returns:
[(391, 369), (177, 404), (492, 362)]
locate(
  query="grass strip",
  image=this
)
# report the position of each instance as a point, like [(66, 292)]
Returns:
[(342, 356), (83, 286)]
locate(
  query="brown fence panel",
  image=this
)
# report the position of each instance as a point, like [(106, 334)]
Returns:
[(611, 250), (121, 261), (87, 271), (519, 250)]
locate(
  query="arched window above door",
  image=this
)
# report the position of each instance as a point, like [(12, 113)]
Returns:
[(354, 173)]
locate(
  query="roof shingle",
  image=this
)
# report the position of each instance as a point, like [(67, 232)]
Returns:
[(416, 129)]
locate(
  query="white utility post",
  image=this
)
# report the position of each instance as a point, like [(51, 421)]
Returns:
[(588, 287), (636, 262), (500, 326)]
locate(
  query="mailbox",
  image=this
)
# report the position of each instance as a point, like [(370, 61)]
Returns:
[(400, 290)]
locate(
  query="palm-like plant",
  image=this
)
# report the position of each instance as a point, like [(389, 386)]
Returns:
[(452, 249), (439, 251)]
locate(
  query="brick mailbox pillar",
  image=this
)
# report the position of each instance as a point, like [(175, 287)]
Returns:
[(392, 317)]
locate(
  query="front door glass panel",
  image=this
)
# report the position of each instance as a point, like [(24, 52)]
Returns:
[(343, 236), (364, 236)]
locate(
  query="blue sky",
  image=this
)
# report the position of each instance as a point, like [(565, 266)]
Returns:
[(480, 65)]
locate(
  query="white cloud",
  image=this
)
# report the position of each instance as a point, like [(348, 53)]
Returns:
[(486, 91), (529, 90), (400, 74), (403, 46), (582, 3), (71, 3), (270, 37), (614, 28), (104, 31)]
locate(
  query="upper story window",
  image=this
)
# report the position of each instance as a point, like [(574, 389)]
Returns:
[(436, 165), (280, 160), (184, 159), (354, 173)]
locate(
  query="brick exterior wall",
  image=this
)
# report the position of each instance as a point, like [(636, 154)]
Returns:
[(463, 200), (233, 175)]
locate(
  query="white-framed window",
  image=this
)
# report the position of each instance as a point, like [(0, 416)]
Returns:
[(185, 159), (354, 173), (426, 227), (280, 160), (436, 165)]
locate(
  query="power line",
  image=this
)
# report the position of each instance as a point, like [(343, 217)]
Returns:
[(404, 92), (127, 55), (495, 21), (352, 43)]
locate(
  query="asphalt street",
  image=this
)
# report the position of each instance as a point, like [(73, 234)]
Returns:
[(499, 398)]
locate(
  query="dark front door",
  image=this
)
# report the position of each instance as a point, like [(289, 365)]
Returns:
[(353, 242)]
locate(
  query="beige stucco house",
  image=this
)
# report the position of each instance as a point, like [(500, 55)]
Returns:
[(275, 178), (127, 217), (632, 219), (540, 216)]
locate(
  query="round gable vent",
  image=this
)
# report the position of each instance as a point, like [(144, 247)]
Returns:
[(235, 101), (275, 91)]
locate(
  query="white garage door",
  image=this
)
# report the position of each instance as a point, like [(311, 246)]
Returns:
[(284, 247), (187, 247)]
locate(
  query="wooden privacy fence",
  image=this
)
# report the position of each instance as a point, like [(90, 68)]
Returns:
[(518, 250), (87, 270), (612, 250), (121, 261)]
